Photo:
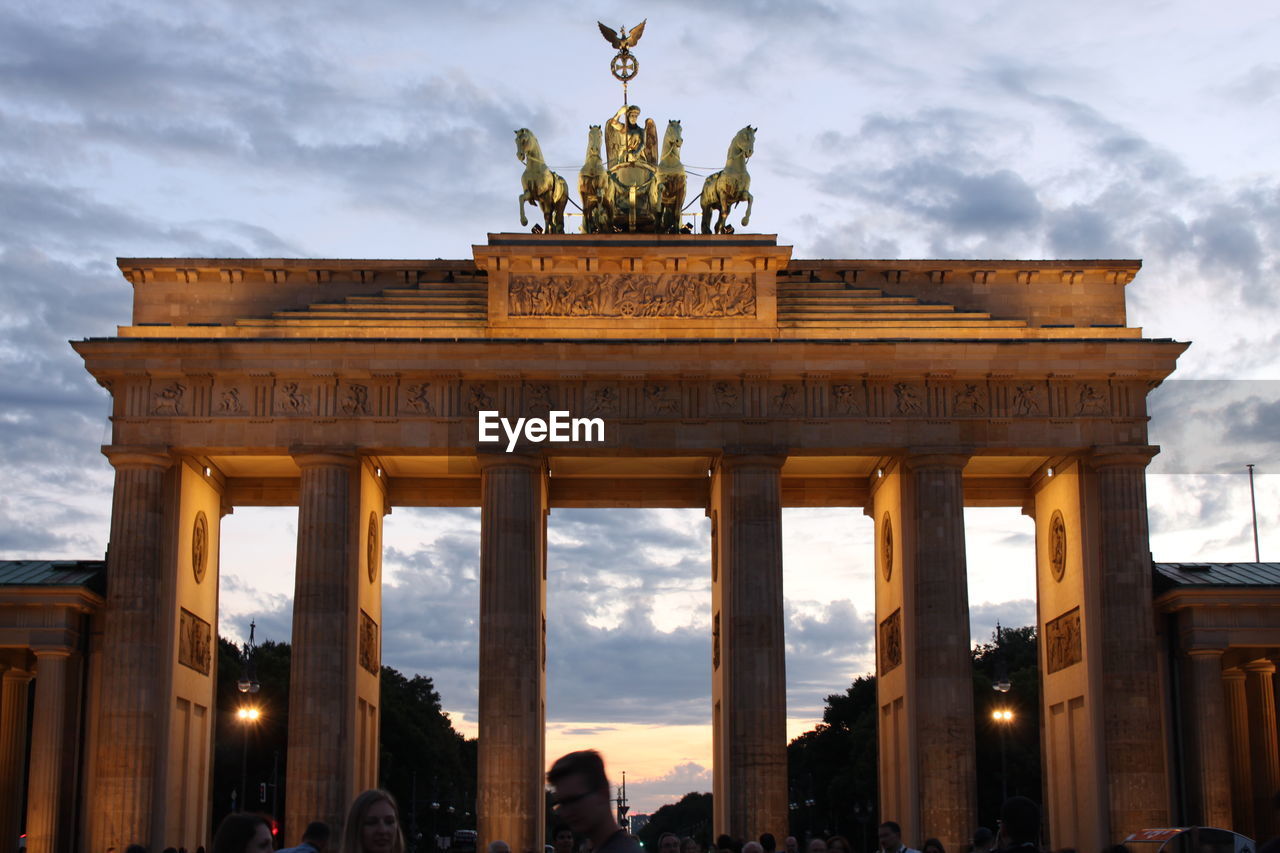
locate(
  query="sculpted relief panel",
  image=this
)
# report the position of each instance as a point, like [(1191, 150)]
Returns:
[(684, 295), (195, 642)]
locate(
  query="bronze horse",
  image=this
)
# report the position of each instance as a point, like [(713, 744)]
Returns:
[(541, 185), (726, 188), (671, 181)]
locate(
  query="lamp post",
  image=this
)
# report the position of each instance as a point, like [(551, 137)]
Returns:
[(247, 715), (1003, 718)]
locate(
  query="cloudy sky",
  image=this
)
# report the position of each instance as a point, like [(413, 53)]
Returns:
[(384, 130)]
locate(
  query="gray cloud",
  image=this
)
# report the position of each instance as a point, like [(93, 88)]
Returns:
[(672, 785), (1010, 614), (1211, 426)]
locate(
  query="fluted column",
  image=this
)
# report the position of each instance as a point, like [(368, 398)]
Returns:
[(322, 669), (943, 681), (13, 739), (752, 662), (1133, 744), (1241, 772), (1209, 787), (129, 732), (1260, 699), (44, 785), (512, 664)]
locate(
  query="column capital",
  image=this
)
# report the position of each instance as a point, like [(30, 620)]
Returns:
[(488, 460), (746, 458), (323, 457), (1113, 456), (1259, 665), (1203, 652), (15, 674), (42, 652), (137, 456), (935, 458), (1233, 673)]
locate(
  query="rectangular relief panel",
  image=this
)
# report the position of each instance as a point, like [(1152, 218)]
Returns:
[(195, 642), (1062, 640)]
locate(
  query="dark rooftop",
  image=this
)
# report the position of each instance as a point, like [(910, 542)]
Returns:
[(1172, 575), (86, 573)]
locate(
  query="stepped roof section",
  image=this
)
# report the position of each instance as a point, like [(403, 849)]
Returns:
[(629, 286)]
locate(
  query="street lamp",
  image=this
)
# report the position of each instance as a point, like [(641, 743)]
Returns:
[(1003, 718), (247, 715), (1000, 682)]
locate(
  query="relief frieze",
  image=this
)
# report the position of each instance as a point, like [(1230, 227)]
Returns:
[(478, 399), (195, 643), (728, 397), (970, 399), (370, 657), (1063, 646), (168, 400), (845, 399), (661, 400), (292, 400), (229, 402), (355, 400), (787, 401), (418, 399), (1028, 400), (538, 398), (890, 645), (753, 396), (604, 400), (1091, 399), (684, 295), (907, 399)]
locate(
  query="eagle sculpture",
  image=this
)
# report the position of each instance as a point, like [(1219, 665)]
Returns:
[(626, 40)]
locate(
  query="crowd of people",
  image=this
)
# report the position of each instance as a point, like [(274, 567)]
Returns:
[(1019, 830), (587, 825), (372, 826)]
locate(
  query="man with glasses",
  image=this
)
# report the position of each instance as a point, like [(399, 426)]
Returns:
[(582, 800)]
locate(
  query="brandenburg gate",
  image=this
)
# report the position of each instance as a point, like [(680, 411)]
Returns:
[(728, 376)]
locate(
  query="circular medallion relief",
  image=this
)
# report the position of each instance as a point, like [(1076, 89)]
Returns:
[(1057, 545), (373, 549), (886, 547), (200, 546)]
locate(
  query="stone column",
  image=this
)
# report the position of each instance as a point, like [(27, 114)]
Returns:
[(1260, 698), (752, 664), (1209, 752), (1241, 773), (13, 740), (512, 662), (943, 670), (44, 785), (130, 733), (322, 669), (1133, 741)]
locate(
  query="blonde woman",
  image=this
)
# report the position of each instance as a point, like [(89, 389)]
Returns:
[(373, 825)]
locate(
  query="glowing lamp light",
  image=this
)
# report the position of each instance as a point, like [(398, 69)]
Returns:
[(1002, 715), (248, 714)]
